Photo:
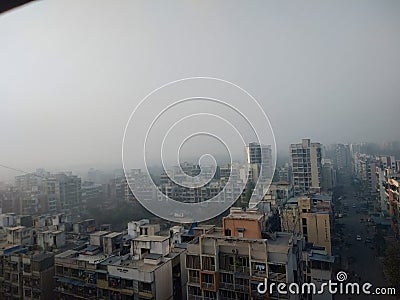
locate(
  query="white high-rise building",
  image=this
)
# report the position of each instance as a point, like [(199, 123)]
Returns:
[(259, 156), (305, 161)]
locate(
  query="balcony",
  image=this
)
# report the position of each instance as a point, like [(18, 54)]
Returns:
[(102, 284), (226, 285), (194, 280), (226, 267), (242, 288), (208, 263), (277, 277), (208, 286), (146, 294), (242, 270), (256, 295), (194, 297)]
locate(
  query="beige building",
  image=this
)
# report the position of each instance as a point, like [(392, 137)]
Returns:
[(231, 266), (311, 217)]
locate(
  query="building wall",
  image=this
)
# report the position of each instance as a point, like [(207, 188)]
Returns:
[(305, 161), (251, 228), (318, 229), (163, 281)]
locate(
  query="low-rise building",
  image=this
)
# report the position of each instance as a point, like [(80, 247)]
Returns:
[(310, 216), (230, 262), (19, 235), (26, 274), (50, 239), (153, 271)]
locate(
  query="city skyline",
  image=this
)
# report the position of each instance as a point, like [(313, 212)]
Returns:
[(71, 92)]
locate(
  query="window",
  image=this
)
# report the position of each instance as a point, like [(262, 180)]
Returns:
[(208, 263), (194, 276), (240, 232), (193, 262), (226, 278)]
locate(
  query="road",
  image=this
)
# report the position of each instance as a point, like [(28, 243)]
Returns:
[(359, 261)]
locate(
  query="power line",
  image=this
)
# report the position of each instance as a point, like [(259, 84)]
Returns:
[(20, 171)]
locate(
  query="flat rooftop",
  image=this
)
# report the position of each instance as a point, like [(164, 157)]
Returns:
[(67, 254), (140, 265), (151, 238), (15, 228), (245, 215), (322, 257), (100, 233), (113, 234)]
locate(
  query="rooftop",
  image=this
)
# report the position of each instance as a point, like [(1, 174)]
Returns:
[(15, 228), (99, 233), (41, 256), (236, 213), (153, 256), (113, 234), (67, 254), (322, 257), (151, 238)]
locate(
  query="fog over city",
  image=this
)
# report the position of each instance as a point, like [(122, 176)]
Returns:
[(72, 72)]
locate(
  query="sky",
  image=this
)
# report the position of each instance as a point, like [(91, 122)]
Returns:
[(72, 72)]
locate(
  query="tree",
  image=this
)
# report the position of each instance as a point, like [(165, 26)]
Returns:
[(391, 264)]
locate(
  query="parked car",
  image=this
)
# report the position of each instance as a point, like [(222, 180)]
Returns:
[(358, 238)]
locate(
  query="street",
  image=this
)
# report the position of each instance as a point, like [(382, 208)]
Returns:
[(359, 259)]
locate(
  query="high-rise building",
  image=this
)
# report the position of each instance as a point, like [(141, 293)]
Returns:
[(342, 157), (392, 189), (70, 190), (42, 192), (328, 176), (259, 157), (305, 161)]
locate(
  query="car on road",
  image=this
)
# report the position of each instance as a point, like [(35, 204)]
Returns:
[(358, 238)]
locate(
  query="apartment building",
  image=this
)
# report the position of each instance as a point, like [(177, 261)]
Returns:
[(70, 190), (142, 227), (328, 176), (230, 262), (317, 270), (392, 191), (342, 157), (152, 270), (365, 172), (281, 191), (19, 235), (306, 165), (26, 274), (259, 156), (310, 216)]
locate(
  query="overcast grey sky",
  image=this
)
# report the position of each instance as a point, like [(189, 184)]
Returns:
[(71, 72)]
